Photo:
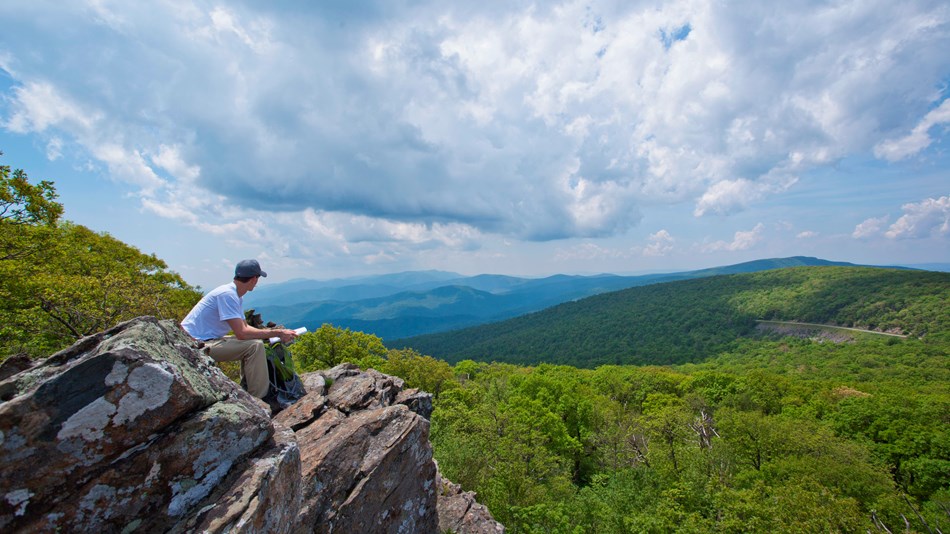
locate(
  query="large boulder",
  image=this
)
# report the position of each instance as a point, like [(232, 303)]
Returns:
[(134, 430), (367, 460), (131, 428)]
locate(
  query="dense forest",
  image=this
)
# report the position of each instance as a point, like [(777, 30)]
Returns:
[(686, 321), (725, 427), (720, 427), (774, 434)]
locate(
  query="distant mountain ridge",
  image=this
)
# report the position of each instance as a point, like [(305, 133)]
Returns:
[(689, 320), (348, 289), (407, 304)]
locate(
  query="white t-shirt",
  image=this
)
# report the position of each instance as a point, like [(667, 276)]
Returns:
[(208, 319)]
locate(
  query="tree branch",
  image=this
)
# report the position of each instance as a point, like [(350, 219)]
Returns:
[(48, 307)]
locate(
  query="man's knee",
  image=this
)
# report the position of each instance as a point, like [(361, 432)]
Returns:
[(251, 349), (255, 371), (256, 354)]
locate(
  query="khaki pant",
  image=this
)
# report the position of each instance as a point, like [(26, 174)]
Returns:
[(253, 360)]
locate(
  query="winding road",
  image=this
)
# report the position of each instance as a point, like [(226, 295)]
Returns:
[(796, 323)]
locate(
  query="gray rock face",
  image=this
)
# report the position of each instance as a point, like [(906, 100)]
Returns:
[(133, 430), (368, 461), (459, 512)]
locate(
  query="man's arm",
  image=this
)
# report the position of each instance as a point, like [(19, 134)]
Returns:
[(242, 330)]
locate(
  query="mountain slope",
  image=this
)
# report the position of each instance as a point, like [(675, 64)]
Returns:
[(409, 304), (690, 320)]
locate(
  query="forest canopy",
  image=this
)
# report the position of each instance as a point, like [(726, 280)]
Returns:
[(777, 434), (686, 321), (724, 427)]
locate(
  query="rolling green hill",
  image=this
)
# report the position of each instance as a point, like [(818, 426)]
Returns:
[(416, 303), (687, 321)]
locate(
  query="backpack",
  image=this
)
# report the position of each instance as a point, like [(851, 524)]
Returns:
[(285, 384)]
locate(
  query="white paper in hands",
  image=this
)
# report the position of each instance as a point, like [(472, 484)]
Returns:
[(301, 330)]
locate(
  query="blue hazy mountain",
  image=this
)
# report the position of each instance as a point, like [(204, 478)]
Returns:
[(348, 289), (400, 305)]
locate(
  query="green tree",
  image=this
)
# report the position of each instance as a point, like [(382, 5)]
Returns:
[(329, 346), (23, 204), (564, 392), (667, 418), (82, 282), (531, 456), (61, 281), (795, 506), (423, 372)]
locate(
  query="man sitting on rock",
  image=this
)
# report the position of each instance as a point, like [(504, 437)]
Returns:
[(222, 311)]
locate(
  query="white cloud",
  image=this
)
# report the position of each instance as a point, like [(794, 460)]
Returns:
[(170, 159), (725, 196), (807, 234), (170, 211), (870, 227), (38, 105), (255, 37), (317, 227), (658, 244), (930, 217), (927, 218), (243, 231), (54, 148), (380, 130), (918, 139), (661, 244), (366, 235), (742, 240), (128, 165), (729, 196)]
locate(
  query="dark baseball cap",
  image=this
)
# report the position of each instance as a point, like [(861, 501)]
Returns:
[(248, 268)]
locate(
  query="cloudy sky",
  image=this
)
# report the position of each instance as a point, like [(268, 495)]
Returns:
[(339, 138)]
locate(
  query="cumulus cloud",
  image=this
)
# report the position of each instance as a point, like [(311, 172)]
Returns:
[(169, 159), (661, 244), (386, 124), (742, 240), (918, 139), (37, 106), (930, 217), (729, 196), (807, 234), (870, 227)]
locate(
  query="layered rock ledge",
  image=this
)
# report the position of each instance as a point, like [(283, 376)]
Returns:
[(134, 430)]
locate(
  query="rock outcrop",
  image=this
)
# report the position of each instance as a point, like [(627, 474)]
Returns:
[(133, 430), (460, 512)]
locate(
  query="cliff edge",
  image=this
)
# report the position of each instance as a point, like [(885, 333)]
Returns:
[(133, 430)]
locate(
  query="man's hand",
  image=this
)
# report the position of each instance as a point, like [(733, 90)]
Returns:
[(285, 335), (244, 331)]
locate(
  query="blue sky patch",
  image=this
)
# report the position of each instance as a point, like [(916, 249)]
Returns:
[(670, 36)]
